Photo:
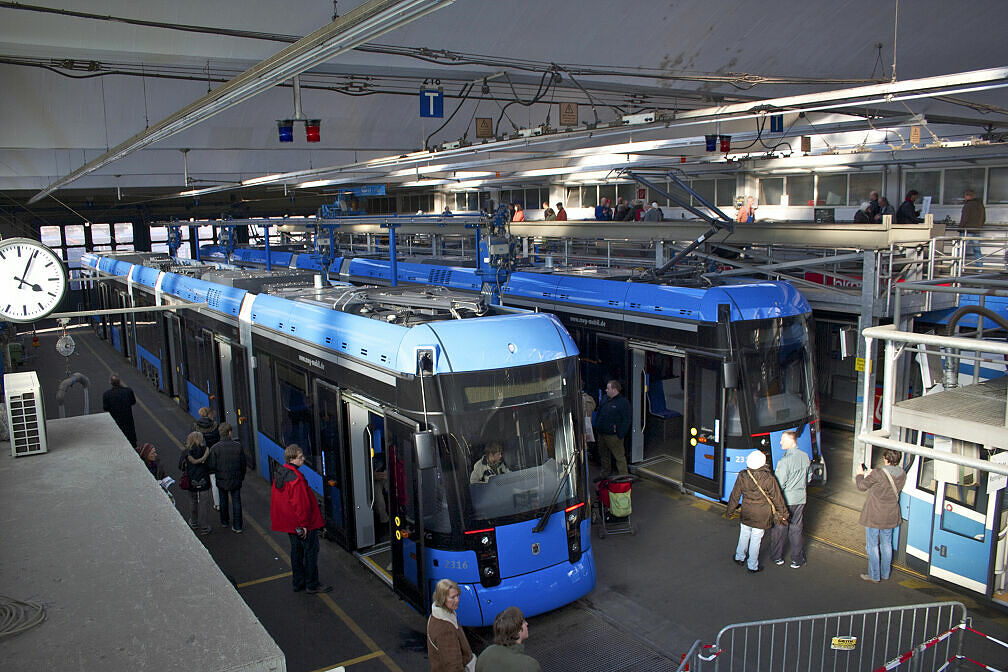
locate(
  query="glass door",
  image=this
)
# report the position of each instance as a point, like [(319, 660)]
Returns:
[(703, 457), (333, 468), (410, 489), (962, 542)]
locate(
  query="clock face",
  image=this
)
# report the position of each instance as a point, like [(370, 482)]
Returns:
[(33, 280)]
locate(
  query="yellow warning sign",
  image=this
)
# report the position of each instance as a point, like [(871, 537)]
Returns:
[(568, 114), (844, 643), (484, 127), (859, 364)]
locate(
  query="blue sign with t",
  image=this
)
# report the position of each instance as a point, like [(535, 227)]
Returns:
[(431, 103)]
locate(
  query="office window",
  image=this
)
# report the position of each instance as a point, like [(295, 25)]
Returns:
[(123, 233), (958, 180), (706, 189), (799, 189), (159, 234), (52, 236), (74, 234), (726, 189), (101, 234), (607, 191), (831, 189), (628, 191), (573, 197), (534, 197), (927, 182), (770, 190), (861, 184), (997, 185)]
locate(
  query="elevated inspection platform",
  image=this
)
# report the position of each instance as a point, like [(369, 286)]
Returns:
[(971, 413), (89, 534)]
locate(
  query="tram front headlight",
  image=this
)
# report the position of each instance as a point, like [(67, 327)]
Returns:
[(572, 517), (488, 572), (485, 540)]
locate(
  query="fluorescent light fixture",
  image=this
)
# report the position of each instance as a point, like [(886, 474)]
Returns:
[(370, 20)]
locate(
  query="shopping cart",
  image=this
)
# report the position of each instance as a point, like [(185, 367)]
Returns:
[(611, 508)]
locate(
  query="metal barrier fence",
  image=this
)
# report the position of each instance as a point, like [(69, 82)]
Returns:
[(871, 639)]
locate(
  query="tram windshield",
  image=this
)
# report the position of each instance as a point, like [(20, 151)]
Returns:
[(776, 361), (512, 440)]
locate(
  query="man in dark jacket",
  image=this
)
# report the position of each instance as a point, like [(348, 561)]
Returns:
[(229, 463), (293, 510), (118, 401), (612, 422), (907, 213), (757, 488)]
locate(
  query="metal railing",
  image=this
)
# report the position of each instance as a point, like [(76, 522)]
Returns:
[(912, 638)]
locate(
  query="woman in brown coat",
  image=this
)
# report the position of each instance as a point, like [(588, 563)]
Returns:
[(881, 513), (447, 647), (757, 487)]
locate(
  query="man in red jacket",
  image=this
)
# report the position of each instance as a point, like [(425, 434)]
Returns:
[(294, 510)]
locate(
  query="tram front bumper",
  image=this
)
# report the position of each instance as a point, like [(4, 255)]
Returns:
[(534, 593)]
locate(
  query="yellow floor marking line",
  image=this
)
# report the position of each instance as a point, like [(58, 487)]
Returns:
[(265, 579), (352, 661), (702, 505), (914, 583), (361, 635)]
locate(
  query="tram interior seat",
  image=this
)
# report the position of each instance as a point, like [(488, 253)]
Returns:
[(659, 394)]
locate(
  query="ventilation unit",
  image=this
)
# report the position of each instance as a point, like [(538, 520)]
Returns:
[(25, 415)]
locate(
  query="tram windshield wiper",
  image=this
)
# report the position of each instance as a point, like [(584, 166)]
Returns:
[(541, 525)]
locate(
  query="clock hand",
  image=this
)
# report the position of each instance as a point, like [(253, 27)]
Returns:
[(22, 281)]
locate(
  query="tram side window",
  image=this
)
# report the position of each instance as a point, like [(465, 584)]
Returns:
[(266, 398), (199, 352), (295, 411), (925, 478)]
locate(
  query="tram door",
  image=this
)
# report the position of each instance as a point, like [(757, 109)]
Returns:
[(333, 469), (703, 459), (232, 373), (964, 536), (363, 430), (177, 361), (411, 497)]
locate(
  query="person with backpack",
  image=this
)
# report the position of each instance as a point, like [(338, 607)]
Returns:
[(194, 463)]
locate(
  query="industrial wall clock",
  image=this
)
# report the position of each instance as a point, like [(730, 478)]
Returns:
[(33, 280)]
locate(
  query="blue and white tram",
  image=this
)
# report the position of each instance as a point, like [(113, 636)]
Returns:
[(712, 372), (394, 396)]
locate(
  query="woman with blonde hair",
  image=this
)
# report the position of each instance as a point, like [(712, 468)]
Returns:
[(193, 463), (448, 649)]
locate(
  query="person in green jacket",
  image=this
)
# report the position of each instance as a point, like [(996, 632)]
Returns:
[(507, 653), (792, 474)]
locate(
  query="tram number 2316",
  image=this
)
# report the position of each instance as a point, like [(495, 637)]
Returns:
[(456, 564)]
